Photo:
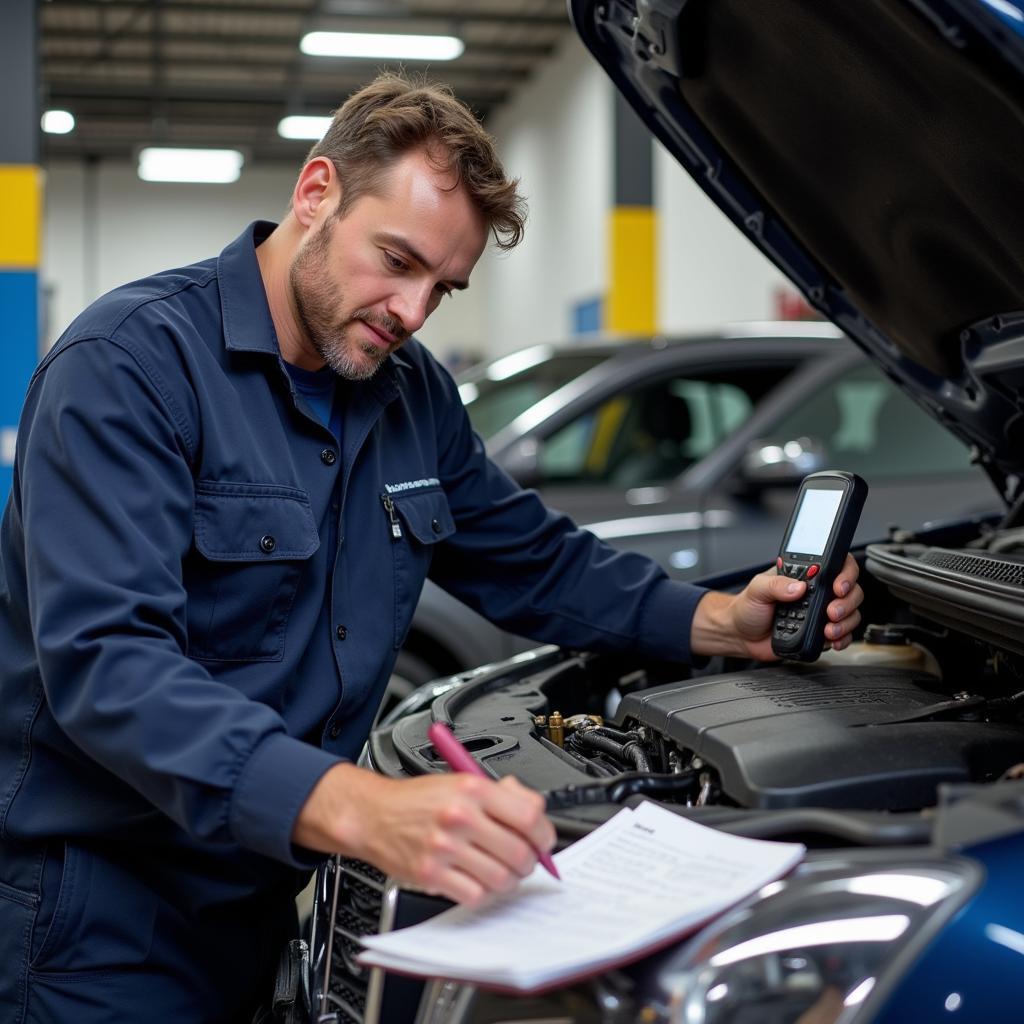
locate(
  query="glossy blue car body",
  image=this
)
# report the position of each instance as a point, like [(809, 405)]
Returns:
[(974, 969)]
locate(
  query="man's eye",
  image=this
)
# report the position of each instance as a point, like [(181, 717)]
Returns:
[(393, 261), (446, 292)]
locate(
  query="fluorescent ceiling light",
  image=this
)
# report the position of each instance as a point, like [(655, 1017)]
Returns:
[(303, 126), (379, 44), (57, 122), (213, 166)]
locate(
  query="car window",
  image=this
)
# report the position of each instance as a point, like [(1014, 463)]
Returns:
[(868, 426), (651, 434), (494, 404)]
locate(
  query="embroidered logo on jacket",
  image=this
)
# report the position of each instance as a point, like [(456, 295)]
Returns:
[(411, 485)]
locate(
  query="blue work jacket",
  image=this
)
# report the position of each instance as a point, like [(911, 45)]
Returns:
[(162, 576)]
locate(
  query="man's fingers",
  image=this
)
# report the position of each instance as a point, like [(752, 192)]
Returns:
[(508, 849), (493, 831), (781, 588), (850, 597), (836, 631), (467, 854), (523, 811), (453, 884), (847, 577), (487, 866)]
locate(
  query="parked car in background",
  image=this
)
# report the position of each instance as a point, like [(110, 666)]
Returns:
[(689, 450)]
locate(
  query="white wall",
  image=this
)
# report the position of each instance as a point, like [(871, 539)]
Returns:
[(556, 136), (106, 227), (708, 271)]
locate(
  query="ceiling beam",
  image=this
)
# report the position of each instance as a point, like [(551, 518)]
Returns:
[(49, 12), (528, 51), (71, 90)]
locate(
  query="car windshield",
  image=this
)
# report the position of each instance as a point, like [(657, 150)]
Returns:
[(495, 397)]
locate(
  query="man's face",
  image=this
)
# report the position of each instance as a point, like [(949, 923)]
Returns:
[(363, 283)]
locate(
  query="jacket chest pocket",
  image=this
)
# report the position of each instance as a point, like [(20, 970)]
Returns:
[(417, 521), (252, 543)]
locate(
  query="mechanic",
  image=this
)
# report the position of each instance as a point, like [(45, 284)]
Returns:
[(231, 482)]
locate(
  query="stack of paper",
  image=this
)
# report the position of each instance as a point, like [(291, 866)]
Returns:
[(639, 881)]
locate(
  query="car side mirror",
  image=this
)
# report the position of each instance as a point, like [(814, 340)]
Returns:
[(770, 463), (522, 462)]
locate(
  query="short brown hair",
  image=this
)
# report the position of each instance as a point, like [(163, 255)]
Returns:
[(394, 115)]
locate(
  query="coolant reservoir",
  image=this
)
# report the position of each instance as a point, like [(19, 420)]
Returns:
[(885, 646)]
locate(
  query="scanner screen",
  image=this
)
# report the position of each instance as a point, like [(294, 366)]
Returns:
[(813, 523)]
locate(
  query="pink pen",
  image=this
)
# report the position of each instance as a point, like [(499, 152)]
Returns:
[(459, 759)]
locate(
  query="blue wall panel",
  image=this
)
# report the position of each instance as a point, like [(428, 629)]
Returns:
[(19, 343)]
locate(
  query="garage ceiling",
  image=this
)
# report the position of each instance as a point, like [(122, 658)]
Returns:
[(224, 72)]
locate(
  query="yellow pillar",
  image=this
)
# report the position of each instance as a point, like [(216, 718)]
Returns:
[(631, 296), (632, 274)]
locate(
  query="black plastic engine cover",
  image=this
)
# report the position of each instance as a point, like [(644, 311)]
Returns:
[(799, 736)]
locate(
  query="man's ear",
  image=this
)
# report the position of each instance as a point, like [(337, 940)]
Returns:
[(317, 185)]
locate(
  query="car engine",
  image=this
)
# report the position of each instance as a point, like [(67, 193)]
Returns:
[(803, 736)]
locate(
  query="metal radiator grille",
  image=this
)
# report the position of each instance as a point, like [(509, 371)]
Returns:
[(357, 913)]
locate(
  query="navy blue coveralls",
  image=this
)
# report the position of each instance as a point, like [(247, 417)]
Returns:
[(183, 654)]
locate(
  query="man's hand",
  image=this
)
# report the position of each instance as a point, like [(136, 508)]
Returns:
[(455, 835), (741, 624)]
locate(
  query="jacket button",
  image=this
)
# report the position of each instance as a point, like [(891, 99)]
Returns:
[(267, 543), (342, 632), (435, 525), (335, 731), (327, 457)]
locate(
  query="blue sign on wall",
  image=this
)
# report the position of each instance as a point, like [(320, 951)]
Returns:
[(586, 316)]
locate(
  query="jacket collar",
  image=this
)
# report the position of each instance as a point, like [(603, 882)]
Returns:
[(248, 326)]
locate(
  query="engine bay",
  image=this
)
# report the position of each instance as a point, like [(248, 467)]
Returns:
[(915, 703)]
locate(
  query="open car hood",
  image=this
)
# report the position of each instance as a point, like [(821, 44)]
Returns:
[(874, 151)]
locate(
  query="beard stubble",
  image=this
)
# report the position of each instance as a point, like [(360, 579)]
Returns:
[(321, 312)]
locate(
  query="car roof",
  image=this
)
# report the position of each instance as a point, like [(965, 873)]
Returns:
[(803, 333)]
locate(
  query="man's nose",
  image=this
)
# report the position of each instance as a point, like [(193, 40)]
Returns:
[(411, 307)]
